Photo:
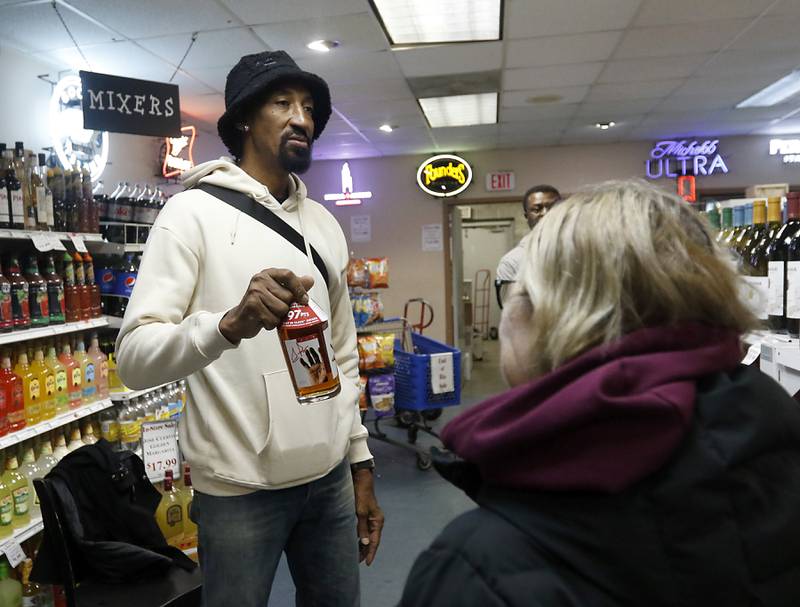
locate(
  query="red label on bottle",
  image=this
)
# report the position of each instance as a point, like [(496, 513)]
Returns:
[(301, 317)]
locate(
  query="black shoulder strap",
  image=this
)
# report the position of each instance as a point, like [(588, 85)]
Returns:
[(260, 213)]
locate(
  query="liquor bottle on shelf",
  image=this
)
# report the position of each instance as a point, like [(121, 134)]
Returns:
[(36, 214), (5, 204), (109, 427), (37, 289), (31, 390), (29, 471), (87, 432), (743, 239), (59, 444), (75, 441), (6, 509), (4, 406), (47, 206), (74, 376), (114, 382), (92, 286), (72, 295), (10, 589), (47, 384), (24, 193), (19, 490), (89, 389), (713, 218), (169, 514), (778, 256), (84, 293), (6, 311), (74, 200), (55, 293), (20, 307), (14, 189), (100, 367), (46, 460), (55, 177), (130, 427), (30, 591), (754, 262), (59, 372), (187, 497), (11, 385), (727, 224)]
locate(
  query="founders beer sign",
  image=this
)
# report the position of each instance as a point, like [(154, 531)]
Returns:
[(128, 105), (444, 175)]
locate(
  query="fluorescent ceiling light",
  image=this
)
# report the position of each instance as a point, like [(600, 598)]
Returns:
[(460, 110), (604, 126), (426, 22), (322, 46), (775, 93)]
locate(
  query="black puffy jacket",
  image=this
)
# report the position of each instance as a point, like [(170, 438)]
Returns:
[(717, 526)]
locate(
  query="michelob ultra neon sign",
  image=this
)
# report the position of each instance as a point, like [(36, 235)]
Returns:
[(444, 175)]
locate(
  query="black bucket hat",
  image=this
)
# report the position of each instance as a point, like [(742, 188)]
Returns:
[(253, 75)]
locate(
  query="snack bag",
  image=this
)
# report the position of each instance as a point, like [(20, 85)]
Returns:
[(386, 343), (369, 353), (363, 399), (358, 273), (373, 308), (381, 393), (378, 272)]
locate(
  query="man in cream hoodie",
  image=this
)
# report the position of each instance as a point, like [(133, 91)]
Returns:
[(271, 475)]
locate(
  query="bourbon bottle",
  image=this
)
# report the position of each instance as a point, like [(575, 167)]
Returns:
[(305, 338)]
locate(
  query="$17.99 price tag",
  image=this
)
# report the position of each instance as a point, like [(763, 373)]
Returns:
[(160, 449)]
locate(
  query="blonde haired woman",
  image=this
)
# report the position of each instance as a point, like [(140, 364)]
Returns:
[(634, 461)]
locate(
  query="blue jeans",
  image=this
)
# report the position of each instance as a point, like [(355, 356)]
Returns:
[(241, 539)]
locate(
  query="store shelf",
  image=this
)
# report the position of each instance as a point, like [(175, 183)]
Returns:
[(21, 535), (121, 397), (114, 322), (65, 236), (60, 420), (134, 248), (45, 332)]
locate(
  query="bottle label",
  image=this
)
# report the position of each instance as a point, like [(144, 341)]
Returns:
[(755, 294), (34, 389), (39, 304), (76, 377), (130, 431), (21, 501), (776, 288), (793, 289), (56, 302), (17, 396), (31, 601), (109, 430), (61, 381), (20, 307), (90, 373), (50, 385), (104, 370), (17, 206), (6, 312), (6, 510), (174, 515), (48, 204), (5, 217)]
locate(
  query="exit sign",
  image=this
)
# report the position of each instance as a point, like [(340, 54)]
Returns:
[(500, 181)]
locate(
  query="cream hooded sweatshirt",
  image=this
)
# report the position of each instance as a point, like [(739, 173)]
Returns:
[(243, 428)]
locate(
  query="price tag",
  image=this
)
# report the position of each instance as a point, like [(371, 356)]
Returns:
[(42, 241), (14, 552), (78, 243), (752, 353), (56, 241), (160, 449)]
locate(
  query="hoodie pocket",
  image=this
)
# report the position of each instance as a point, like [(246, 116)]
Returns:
[(301, 441)]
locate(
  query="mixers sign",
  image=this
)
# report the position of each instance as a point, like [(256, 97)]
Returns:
[(444, 175), (679, 158)]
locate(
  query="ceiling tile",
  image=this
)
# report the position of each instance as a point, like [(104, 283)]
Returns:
[(737, 88), (555, 76), (558, 50), (192, 86), (554, 17), (221, 48), (376, 90), (616, 110), (533, 128), (213, 77), (257, 11), (748, 62), (358, 68), (658, 12), (146, 18), (450, 59), (785, 127), (569, 94), (633, 90), (695, 103), (786, 7), (537, 112), (355, 33), (771, 34), (685, 39), (36, 27), (656, 68), (365, 110), (119, 58)]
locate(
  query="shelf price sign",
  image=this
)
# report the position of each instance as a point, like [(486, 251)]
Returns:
[(160, 449)]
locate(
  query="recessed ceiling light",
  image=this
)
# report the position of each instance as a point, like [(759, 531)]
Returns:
[(425, 22), (604, 126), (460, 110), (386, 128), (544, 99), (322, 46), (775, 93)]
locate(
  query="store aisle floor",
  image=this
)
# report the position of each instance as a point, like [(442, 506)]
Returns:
[(417, 504)]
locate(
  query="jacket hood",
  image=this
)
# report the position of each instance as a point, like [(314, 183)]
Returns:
[(601, 422), (227, 174)]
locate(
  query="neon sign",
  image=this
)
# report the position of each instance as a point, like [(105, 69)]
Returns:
[(788, 148), (679, 158), (347, 197), (74, 145), (444, 175), (178, 156), (687, 188)]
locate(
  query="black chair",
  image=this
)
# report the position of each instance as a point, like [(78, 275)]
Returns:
[(178, 588)]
